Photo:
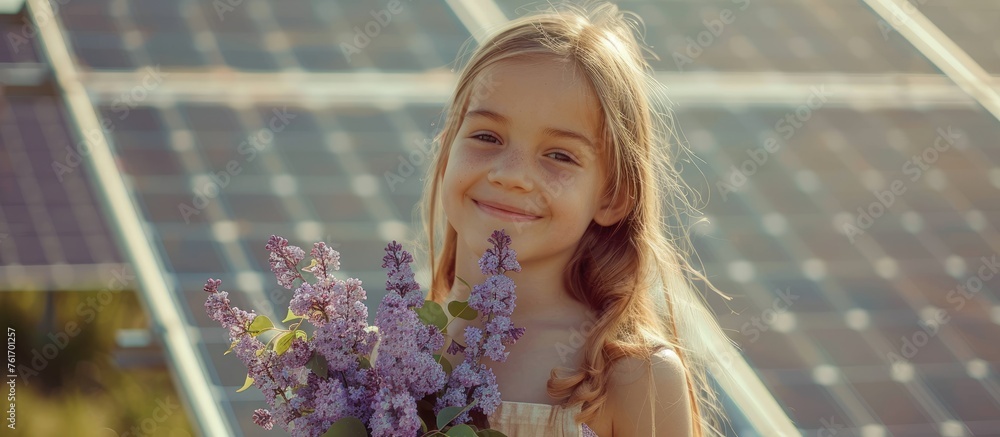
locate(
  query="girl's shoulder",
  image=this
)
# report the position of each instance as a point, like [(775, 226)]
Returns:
[(635, 381), (662, 362)]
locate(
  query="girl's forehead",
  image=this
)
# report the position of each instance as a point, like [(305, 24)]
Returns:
[(533, 69), (539, 89)]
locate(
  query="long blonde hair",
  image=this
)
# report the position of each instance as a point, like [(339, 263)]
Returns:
[(634, 274)]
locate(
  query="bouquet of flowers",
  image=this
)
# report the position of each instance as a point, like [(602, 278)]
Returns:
[(342, 377)]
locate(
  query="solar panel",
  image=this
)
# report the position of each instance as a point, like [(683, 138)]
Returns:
[(52, 232), (784, 247), (770, 35), (263, 37)]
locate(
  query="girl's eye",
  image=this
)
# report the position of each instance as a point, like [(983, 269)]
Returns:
[(487, 138), (564, 157)]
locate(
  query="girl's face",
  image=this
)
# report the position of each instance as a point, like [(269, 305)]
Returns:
[(527, 159)]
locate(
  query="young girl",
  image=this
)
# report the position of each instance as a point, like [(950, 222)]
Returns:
[(554, 135)]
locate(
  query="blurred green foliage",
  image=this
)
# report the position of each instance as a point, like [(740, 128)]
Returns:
[(69, 382)]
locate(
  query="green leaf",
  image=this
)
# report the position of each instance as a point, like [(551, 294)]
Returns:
[(461, 310), (490, 433), (461, 431), (317, 363), (301, 334), (346, 427), (463, 281), (246, 384), (432, 314), (448, 414), (364, 363), (445, 364), (291, 316), (259, 324), (230, 350), (283, 342)]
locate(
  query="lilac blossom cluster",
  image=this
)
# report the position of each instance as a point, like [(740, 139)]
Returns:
[(273, 374), (494, 300), (405, 363), (374, 374)]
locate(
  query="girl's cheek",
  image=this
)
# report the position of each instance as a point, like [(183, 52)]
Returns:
[(557, 181), (472, 158)]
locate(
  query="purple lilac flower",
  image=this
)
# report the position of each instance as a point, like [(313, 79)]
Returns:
[(487, 393), (263, 418), (329, 400), (494, 296), (336, 343), (405, 369), (402, 333), (400, 276), (326, 261), (325, 395), (271, 373), (454, 396), (500, 258), (284, 260), (297, 355), (308, 302), (219, 309), (456, 348), (494, 300), (263, 368), (341, 333), (395, 413), (359, 393)]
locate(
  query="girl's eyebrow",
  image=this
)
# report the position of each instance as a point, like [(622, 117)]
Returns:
[(550, 131), (488, 114)]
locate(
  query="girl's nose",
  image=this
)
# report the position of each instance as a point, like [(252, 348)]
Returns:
[(512, 169)]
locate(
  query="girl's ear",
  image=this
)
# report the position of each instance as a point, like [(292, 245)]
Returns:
[(613, 208)]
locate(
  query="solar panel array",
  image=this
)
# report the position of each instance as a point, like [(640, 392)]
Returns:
[(823, 310), (53, 234)]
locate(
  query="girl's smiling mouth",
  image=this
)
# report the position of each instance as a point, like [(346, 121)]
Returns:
[(504, 212)]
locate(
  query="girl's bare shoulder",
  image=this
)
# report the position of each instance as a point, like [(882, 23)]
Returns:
[(632, 384)]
